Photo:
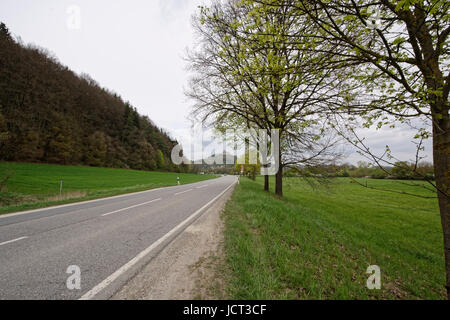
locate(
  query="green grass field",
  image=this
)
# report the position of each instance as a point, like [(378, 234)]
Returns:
[(37, 185), (318, 243)]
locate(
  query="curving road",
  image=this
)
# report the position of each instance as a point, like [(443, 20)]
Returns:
[(109, 240)]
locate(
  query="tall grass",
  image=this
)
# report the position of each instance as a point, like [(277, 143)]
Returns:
[(318, 243)]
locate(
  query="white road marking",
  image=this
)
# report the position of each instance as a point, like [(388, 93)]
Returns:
[(14, 240), (183, 192), (203, 186), (102, 285), (7, 215), (137, 205)]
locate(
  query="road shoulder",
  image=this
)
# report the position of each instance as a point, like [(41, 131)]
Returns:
[(186, 268)]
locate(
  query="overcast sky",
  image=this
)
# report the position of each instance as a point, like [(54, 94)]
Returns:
[(136, 49)]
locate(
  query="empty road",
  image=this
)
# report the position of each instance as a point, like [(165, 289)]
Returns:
[(107, 240)]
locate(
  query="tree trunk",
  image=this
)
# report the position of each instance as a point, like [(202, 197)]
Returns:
[(279, 178), (279, 174), (279, 182), (441, 155), (266, 183)]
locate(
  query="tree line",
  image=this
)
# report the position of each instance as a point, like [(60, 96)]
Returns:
[(403, 170), (50, 114)]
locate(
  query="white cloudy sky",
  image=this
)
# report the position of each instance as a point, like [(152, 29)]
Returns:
[(136, 49)]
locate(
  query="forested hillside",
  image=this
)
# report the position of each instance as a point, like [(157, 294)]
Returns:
[(50, 114)]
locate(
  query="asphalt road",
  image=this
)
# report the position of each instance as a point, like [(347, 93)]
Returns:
[(108, 239)]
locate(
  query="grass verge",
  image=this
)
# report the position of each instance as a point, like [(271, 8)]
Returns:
[(32, 186), (318, 243)]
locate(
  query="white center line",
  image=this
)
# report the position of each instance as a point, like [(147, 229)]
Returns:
[(203, 186), (137, 205), (14, 240), (183, 192)]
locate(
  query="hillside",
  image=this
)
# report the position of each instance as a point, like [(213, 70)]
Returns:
[(50, 114)]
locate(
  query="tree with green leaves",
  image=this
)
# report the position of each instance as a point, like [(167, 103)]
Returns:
[(402, 51), (247, 71), (161, 163), (394, 57), (250, 169)]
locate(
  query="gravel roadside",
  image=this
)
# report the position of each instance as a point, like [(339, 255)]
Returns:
[(188, 267)]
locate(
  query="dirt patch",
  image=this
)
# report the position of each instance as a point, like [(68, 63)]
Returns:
[(66, 196), (10, 198), (189, 267)]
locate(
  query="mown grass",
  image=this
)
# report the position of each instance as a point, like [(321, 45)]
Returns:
[(37, 185), (318, 243)]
